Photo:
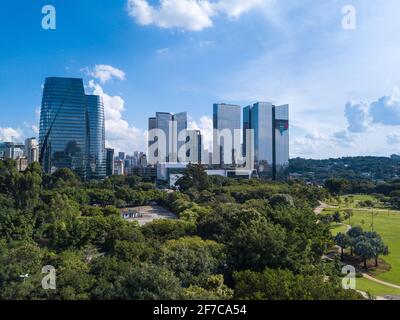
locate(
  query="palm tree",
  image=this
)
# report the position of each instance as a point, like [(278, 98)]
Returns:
[(343, 241)]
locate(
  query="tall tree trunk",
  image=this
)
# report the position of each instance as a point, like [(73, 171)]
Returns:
[(365, 263), (342, 254), (376, 261), (351, 251)]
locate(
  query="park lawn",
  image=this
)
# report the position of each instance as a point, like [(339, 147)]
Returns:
[(387, 224), (375, 289), (338, 228), (356, 199)]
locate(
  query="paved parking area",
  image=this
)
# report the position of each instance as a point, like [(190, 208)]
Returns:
[(150, 213)]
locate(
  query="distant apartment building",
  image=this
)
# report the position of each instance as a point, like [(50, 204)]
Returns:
[(72, 129), (271, 137), (22, 164), (31, 150), (11, 150), (121, 155), (119, 167), (226, 134)]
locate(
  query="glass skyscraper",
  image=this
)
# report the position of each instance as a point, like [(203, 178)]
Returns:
[(96, 137), (171, 125), (271, 137), (72, 129), (226, 118), (179, 131)]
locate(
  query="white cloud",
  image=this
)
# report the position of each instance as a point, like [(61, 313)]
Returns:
[(191, 15), (393, 139), (344, 138), (235, 8), (10, 134), (163, 51), (35, 129), (105, 73), (358, 117), (386, 110), (119, 134), (205, 125)]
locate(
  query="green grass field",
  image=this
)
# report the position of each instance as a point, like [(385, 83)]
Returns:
[(337, 228), (374, 288), (387, 224), (353, 201)]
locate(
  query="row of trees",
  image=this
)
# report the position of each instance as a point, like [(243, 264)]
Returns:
[(367, 245)]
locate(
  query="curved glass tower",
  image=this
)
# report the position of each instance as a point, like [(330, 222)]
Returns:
[(97, 156), (72, 129)]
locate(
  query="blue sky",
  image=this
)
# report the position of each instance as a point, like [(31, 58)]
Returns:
[(184, 55)]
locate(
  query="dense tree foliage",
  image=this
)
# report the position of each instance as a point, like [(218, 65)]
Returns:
[(232, 239)]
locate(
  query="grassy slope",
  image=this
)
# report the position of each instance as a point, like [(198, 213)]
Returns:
[(387, 224)]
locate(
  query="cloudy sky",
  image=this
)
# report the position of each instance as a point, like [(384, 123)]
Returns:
[(145, 56)]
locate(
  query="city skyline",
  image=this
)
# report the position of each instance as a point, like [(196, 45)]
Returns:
[(72, 135), (336, 104)]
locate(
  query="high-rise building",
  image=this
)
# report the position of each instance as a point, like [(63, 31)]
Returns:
[(226, 134), (194, 146), (121, 155), (11, 150), (281, 141), (142, 160), (31, 150), (21, 164), (72, 133), (109, 162), (179, 135), (271, 137), (119, 167), (172, 137), (96, 140)]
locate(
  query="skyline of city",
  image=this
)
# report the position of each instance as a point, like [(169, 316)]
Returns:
[(135, 64), (72, 135)]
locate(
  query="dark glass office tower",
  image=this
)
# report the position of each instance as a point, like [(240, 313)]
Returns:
[(72, 131), (109, 162)]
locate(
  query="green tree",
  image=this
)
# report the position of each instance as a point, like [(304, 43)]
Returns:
[(163, 229), (210, 288), (343, 241), (364, 249), (337, 186), (194, 177), (354, 233), (378, 246), (192, 257), (257, 245), (284, 285)]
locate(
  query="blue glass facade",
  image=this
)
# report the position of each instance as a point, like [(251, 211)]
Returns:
[(271, 137), (72, 130), (171, 126), (226, 117), (97, 159)]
